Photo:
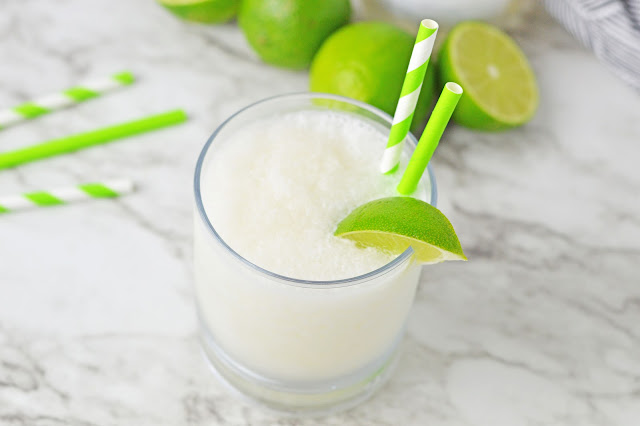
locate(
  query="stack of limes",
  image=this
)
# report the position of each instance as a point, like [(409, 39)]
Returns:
[(368, 61)]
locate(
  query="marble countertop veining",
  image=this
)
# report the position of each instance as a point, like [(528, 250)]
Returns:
[(97, 326)]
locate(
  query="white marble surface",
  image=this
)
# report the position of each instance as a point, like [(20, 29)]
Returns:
[(97, 326)]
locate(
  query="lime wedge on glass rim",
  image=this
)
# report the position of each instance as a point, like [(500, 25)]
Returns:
[(500, 87), (393, 224)]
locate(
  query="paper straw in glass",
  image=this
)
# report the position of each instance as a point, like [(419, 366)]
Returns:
[(430, 137), (409, 94)]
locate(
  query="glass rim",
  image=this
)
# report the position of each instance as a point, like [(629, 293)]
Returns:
[(289, 280)]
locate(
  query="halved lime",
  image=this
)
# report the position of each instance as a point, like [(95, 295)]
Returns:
[(393, 224), (500, 87), (203, 11)]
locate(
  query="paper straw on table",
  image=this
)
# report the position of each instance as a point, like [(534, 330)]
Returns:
[(409, 94), (430, 138), (88, 139), (64, 99), (54, 197)]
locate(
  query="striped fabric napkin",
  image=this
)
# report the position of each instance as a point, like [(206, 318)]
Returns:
[(611, 28)]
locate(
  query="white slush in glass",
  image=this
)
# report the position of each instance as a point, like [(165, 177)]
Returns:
[(291, 315)]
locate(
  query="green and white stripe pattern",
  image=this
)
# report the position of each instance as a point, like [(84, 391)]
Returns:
[(409, 94), (108, 189), (64, 99)]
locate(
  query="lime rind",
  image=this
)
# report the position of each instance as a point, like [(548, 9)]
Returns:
[(202, 11), (425, 253)]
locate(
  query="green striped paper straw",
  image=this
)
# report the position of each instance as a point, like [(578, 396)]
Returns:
[(85, 140), (54, 197), (430, 138), (64, 99), (409, 94)]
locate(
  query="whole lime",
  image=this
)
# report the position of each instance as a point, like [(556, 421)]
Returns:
[(203, 11), (287, 33), (368, 61)]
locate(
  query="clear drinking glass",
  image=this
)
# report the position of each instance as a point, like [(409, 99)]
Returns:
[(296, 345)]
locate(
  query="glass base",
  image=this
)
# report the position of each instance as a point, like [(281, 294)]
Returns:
[(323, 400)]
